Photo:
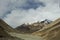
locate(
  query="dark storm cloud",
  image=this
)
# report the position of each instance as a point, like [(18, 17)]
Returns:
[(33, 4), (6, 6)]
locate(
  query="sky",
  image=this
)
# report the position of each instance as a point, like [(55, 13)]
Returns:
[(17, 12)]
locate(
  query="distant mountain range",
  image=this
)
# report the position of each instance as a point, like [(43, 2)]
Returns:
[(30, 28)]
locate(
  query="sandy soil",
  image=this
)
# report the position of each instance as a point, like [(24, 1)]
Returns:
[(26, 36)]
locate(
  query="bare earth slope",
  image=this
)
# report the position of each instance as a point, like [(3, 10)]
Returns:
[(26, 36)]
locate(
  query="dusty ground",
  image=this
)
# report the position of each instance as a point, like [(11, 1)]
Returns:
[(26, 36)]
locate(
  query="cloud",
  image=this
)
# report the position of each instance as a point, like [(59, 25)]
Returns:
[(33, 4), (6, 6), (25, 12)]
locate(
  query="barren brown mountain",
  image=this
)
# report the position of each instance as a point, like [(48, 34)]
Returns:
[(5, 29), (51, 31), (30, 28)]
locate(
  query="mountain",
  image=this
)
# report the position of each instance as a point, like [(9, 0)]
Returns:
[(5, 31), (46, 21), (23, 28), (30, 28), (51, 31)]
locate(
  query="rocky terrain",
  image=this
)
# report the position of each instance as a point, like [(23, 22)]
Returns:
[(26, 36), (51, 31), (44, 30), (30, 28)]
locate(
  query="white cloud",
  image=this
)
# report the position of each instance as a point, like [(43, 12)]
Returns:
[(18, 16)]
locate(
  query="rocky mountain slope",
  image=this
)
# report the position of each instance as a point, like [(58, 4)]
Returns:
[(30, 28), (51, 31)]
